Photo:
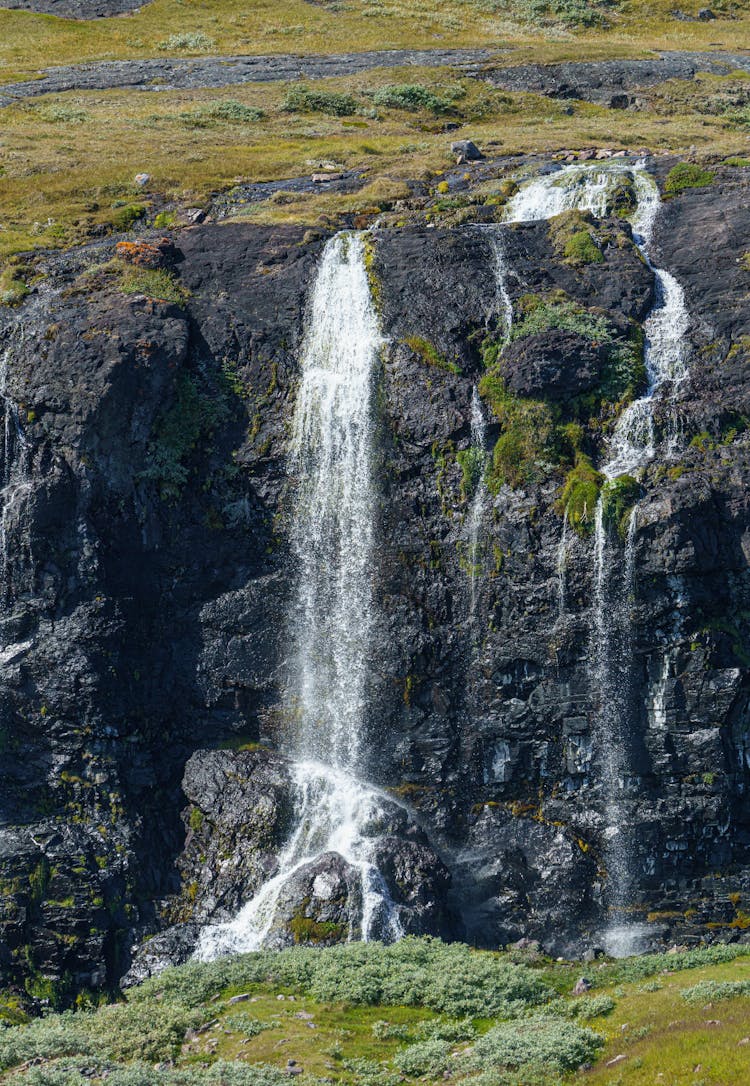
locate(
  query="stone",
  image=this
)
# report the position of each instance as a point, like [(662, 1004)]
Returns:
[(582, 986), (141, 180), (706, 15), (616, 1060), (466, 151)]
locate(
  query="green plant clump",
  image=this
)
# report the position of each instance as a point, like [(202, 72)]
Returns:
[(471, 462), (429, 353), (580, 494), (228, 110), (414, 97), (619, 496), (423, 1058), (687, 175), (552, 1043), (300, 99), (158, 283), (713, 991)]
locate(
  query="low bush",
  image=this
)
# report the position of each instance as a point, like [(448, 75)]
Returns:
[(416, 97), (301, 99), (713, 991), (228, 110), (193, 42), (556, 1045), (429, 1057)]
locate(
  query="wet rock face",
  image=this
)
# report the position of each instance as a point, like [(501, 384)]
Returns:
[(143, 624), (554, 364)]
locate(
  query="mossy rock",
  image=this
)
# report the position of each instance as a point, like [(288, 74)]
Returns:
[(687, 175), (580, 495), (619, 497)]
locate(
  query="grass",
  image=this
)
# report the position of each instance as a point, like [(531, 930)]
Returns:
[(683, 1024), (194, 143), (279, 26)]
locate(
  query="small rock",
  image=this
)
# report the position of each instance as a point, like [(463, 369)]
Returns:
[(587, 155), (322, 178), (712, 1022), (146, 254), (280, 998), (603, 153), (466, 151), (304, 1015), (744, 1041), (582, 986), (615, 1060), (291, 1063), (242, 998), (142, 179), (194, 215), (706, 15)]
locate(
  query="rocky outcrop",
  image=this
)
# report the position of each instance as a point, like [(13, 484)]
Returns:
[(146, 576)]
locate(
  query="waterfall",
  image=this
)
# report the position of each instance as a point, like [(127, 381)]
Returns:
[(478, 453), (562, 562), (503, 304), (331, 617), (15, 490), (631, 447)]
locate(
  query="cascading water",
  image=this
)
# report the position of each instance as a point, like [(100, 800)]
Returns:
[(632, 445), (478, 453), (15, 489), (331, 618)]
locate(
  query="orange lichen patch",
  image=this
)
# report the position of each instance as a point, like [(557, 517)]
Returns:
[(145, 254)]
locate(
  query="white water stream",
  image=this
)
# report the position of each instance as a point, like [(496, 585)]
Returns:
[(15, 489), (331, 618), (630, 448)]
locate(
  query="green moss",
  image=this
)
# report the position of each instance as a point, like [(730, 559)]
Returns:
[(526, 442), (619, 496), (580, 494), (471, 462), (429, 353), (581, 248), (687, 175), (124, 217), (306, 930), (574, 240), (196, 819)]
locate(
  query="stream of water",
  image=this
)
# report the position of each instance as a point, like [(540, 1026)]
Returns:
[(332, 614), (630, 448)]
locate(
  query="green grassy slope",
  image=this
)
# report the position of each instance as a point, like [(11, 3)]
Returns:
[(420, 1011)]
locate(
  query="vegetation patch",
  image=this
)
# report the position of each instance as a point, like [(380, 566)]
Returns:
[(687, 175), (580, 494), (158, 283), (301, 99), (619, 497), (573, 238), (429, 354), (415, 97)]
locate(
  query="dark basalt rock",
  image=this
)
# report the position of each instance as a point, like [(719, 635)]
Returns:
[(554, 364), (144, 599)]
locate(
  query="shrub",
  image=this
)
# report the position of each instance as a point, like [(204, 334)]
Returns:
[(589, 1007), (300, 99), (540, 314), (228, 109), (63, 115), (385, 1031), (686, 175), (178, 430), (573, 13), (415, 97), (712, 991), (194, 42), (442, 1030), (557, 1045), (527, 438), (423, 1058), (247, 1026)]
